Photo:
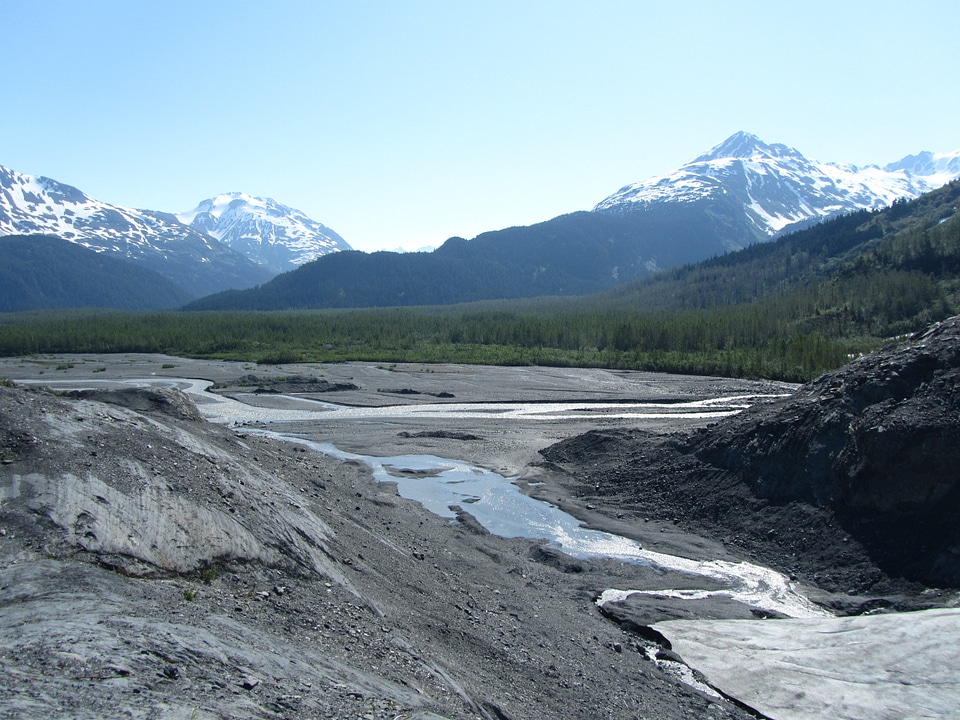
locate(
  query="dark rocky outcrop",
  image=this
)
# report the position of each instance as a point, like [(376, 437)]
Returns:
[(556, 559), (167, 401), (877, 441), (853, 482), (288, 385), (879, 435), (440, 434)]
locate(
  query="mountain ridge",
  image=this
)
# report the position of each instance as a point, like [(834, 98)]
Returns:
[(740, 192), (719, 203), (48, 272), (37, 205), (779, 188)]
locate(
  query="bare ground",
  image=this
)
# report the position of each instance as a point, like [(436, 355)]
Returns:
[(154, 565)]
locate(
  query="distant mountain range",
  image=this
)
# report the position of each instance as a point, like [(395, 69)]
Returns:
[(231, 241), (741, 192), (273, 235), (194, 261)]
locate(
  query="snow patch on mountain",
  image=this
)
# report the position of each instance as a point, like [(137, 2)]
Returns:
[(194, 260), (778, 187), (937, 168), (34, 204), (268, 232)]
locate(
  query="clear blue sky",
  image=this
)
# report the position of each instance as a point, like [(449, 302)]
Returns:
[(404, 123)]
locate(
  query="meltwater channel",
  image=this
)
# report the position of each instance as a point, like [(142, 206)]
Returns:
[(850, 668), (442, 485)]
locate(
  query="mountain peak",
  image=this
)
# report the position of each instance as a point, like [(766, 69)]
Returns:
[(272, 234), (218, 205), (776, 188), (38, 205), (744, 145)]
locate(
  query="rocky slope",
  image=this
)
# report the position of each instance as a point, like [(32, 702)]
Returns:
[(850, 484), (155, 565)]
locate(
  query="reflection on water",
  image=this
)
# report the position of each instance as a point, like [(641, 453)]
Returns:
[(442, 485)]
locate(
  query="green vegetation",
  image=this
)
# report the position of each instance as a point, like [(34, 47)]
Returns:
[(208, 574), (789, 310), (722, 342), (859, 278), (40, 271)]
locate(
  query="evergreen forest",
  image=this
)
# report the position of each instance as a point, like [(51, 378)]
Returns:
[(47, 271)]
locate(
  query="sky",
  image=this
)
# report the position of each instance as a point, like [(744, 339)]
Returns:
[(401, 124)]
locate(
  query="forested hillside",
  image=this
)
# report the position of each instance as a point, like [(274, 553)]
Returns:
[(40, 271), (575, 254), (873, 274)]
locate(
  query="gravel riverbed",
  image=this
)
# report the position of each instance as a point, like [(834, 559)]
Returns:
[(154, 564)]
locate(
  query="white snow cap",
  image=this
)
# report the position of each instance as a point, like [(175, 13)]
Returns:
[(780, 187)]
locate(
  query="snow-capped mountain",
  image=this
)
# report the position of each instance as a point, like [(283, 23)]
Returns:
[(936, 168), (779, 189), (193, 260), (268, 232)]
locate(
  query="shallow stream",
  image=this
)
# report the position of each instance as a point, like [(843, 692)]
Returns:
[(445, 487)]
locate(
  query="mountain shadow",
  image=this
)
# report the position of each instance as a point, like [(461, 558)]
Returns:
[(576, 254), (45, 272)]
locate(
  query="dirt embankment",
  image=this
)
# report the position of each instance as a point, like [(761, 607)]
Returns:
[(154, 565), (852, 484)]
